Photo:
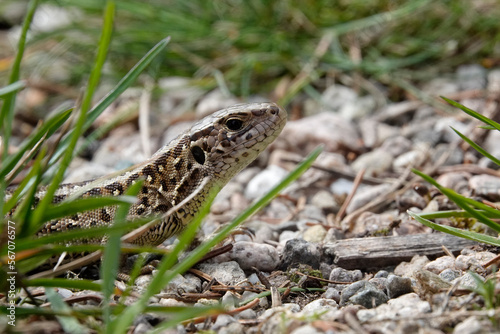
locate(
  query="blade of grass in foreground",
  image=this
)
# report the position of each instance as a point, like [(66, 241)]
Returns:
[(465, 203), (477, 147), (479, 237), (78, 129), (121, 323), (69, 323), (473, 113)]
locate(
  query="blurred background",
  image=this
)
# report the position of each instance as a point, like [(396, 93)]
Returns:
[(287, 51)]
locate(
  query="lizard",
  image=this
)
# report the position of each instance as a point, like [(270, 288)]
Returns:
[(180, 175)]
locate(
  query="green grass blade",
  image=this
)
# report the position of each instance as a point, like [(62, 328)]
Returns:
[(473, 113), (457, 214), (467, 204), (111, 256), (479, 237), (79, 126), (123, 321), (46, 130), (63, 283), (7, 110), (477, 147), (69, 323), (124, 83), (12, 88)]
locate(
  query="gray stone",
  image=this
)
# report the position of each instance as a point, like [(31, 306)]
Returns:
[(450, 275), (341, 187), (332, 293), (382, 273), (375, 162), (264, 181), (324, 200), (326, 128), (396, 145), (179, 284), (343, 275), (299, 251), (486, 186), (315, 234), (455, 180), (228, 273), (407, 269), (335, 96), (360, 108), (397, 286), (365, 195), (405, 307), (369, 296), (319, 306), (379, 282), (250, 254), (471, 77), (306, 329), (472, 325), (440, 264), (441, 87), (494, 81)]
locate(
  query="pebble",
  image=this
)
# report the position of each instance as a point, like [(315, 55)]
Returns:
[(406, 306), (299, 251), (250, 254), (487, 186), (365, 195), (315, 234), (440, 264), (471, 77), (228, 273), (375, 162), (320, 305), (397, 286), (326, 128), (343, 275), (369, 296), (472, 325), (263, 182)]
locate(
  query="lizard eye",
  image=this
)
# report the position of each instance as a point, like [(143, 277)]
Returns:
[(234, 124), (198, 154)]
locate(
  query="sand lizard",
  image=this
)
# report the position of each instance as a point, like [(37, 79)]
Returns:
[(205, 157)]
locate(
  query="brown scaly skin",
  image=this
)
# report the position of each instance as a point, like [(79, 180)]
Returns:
[(214, 149)]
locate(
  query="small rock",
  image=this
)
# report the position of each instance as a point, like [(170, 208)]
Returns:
[(326, 128), (325, 201), (407, 269), (179, 284), (250, 254), (472, 325), (450, 275), (264, 181), (306, 329), (440, 264), (494, 81), (375, 162), (224, 320), (315, 234), (299, 251), (319, 305), (413, 158), (487, 186), (335, 96), (441, 87), (365, 195), (358, 109), (456, 156), (473, 261), (341, 187), (332, 293), (397, 286), (457, 181), (343, 275), (406, 306), (382, 273), (471, 77), (396, 145), (213, 101), (379, 282), (369, 297), (228, 273), (467, 281)]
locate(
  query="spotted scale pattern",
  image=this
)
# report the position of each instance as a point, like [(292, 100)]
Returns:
[(215, 149)]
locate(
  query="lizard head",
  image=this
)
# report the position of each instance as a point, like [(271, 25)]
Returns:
[(228, 140)]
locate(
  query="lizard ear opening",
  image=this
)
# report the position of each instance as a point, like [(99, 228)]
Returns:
[(198, 154)]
